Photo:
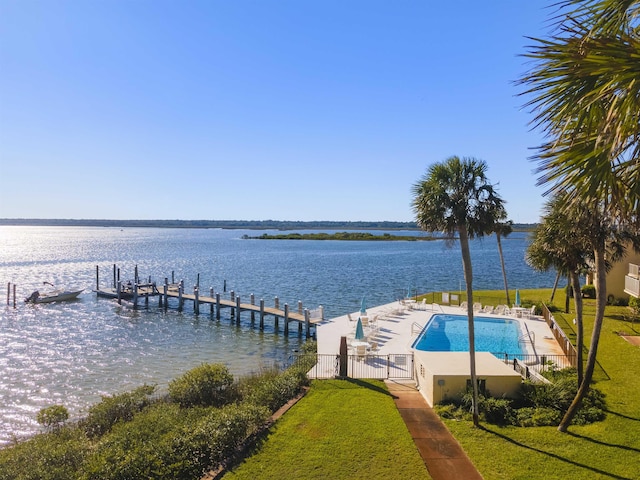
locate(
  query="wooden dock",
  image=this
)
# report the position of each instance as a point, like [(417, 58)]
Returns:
[(137, 291)]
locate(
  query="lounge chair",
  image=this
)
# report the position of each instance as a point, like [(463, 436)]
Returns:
[(361, 351), (500, 310), (477, 307), (463, 305), (374, 346), (486, 309), (350, 317)]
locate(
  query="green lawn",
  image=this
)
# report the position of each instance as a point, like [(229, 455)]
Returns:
[(340, 430), (353, 430), (608, 449)]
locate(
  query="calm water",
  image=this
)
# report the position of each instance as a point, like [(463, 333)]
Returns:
[(449, 333), (71, 353)]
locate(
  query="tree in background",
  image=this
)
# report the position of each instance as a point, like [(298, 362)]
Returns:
[(455, 197), (503, 229)]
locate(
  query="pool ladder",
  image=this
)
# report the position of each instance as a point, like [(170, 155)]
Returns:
[(414, 326), (529, 337)]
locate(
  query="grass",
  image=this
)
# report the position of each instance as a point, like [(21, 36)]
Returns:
[(353, 430), (608, 449), (341, 430)]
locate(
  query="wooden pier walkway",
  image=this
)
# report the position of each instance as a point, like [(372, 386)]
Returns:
[(135, 291)]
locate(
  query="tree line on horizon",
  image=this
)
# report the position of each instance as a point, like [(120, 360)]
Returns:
[(230, 224)]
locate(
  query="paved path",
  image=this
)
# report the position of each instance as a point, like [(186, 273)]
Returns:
[(440, 451)]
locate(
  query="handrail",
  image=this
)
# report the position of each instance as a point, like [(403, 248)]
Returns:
[(416, 324)]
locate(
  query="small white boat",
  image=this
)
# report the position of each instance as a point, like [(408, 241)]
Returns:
[(53, 296)]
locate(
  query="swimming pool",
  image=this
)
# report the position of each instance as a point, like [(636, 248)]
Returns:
[(449, 333)]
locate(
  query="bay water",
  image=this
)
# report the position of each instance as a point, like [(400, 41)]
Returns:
[(71, 353)]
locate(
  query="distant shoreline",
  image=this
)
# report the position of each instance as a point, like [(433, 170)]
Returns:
[(345, 236), (224, 224)]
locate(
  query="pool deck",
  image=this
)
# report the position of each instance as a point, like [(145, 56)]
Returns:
[(398, 327)]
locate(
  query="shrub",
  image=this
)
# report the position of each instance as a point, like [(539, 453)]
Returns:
[(53, 417), (46, 456), (205, 385), (497, 410), (310, 346), (537, 417), (141, 448), (540, 404), (589, 291), (634, 305), (116, 408), (273, 389), (215, 438)]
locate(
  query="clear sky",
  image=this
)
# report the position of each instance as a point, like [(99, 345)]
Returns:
[(257, 110)]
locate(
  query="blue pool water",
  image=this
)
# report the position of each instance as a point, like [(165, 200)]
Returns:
[(449, 333)]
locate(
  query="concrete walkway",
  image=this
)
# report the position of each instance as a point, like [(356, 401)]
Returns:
[(440, 451)]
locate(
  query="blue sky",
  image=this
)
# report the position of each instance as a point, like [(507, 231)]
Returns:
[(256, 110)]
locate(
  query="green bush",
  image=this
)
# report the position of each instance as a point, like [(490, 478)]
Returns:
[(205, 385), (589, 291), (498, 411), (537, 417), (115, 408), (215, 438), (634, 305), (46, 456), (273, 389), (141, 448), (53, 417), (539, 404)]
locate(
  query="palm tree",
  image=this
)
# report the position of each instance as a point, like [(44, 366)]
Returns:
[(503, 229), (455, 197), (557, 242), (585, 89)]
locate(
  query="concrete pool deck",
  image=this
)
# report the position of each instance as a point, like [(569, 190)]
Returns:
[(398, 326)]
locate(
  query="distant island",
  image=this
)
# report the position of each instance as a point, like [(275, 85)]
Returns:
[(342, 236), (226, 224)]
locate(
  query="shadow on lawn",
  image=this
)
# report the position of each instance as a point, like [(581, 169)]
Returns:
[(558, 457), (370, 386), (623, 416), (598, 442)]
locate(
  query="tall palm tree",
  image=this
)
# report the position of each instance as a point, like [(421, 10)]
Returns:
[(455, 197), (503, 229), (558, 242), (585, 89)]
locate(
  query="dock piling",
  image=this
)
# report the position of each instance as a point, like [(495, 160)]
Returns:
[(196, 301), (307, 322), (286, 319), (262, 314)]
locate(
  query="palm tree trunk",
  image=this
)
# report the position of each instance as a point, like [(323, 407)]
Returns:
[(555, 286), (577, 300), (504, 271), (468, 278), (601, 301)]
